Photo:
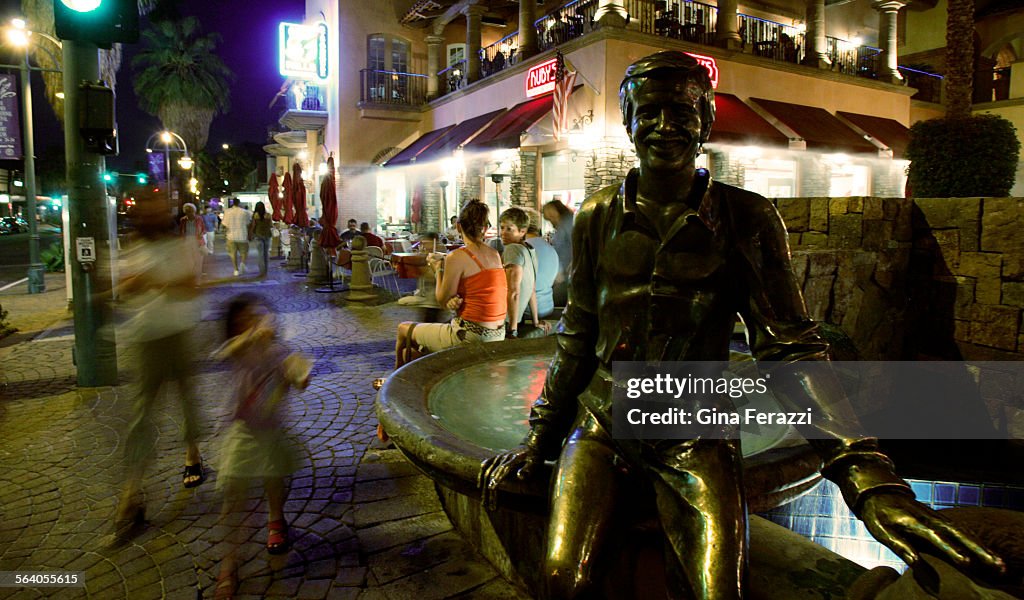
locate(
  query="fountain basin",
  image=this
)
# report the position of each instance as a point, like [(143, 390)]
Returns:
[(449, 411)]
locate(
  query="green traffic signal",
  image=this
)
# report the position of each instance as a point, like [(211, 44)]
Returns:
[(101, 22), (142, 179), (108, 177)]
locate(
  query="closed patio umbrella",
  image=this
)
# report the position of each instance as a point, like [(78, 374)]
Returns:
[(329, 201), (272, 194), (299, 197), (289, 214)]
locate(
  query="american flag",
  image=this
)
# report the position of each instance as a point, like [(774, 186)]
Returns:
[(564, 81)]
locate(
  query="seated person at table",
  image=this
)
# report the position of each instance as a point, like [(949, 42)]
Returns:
[(372, 239), (424, 294), (470, 281), (547, 269), (452, 233), (347, 235), (520, 263)]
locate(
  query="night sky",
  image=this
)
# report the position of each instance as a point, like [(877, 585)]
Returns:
[(249, 48)]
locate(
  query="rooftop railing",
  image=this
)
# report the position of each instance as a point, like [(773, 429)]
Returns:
[(392, 88)]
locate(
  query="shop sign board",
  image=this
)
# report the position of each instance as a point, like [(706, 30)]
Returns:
[(540, 79), (302, 51), (710, 64)]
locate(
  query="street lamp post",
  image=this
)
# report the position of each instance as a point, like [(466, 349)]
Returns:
[(18, 35), (186, 162)]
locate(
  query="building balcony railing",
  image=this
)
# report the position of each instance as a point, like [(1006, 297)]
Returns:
[(928, 85), (772, 40), (392, 88), (499, 55), (687, 20), (452, 78)]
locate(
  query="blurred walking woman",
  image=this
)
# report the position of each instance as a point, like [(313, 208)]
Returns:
[(470, 281), (261, 233)]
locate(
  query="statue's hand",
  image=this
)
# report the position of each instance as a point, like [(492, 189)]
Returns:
[(521, 461), (908, 528)]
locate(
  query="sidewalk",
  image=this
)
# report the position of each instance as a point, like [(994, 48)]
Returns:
[(364, 523)]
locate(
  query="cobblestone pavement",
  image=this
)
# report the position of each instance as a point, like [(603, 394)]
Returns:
[(364, 523)]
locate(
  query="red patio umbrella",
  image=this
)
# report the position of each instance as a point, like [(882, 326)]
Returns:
[(299, 197), (272, 193), (329, 201), (289, 216), (417, 205)]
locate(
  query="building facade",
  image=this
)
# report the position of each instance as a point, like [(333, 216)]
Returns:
[(427, 103)]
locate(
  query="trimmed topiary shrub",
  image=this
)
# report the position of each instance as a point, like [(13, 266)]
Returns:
[(961, 158)]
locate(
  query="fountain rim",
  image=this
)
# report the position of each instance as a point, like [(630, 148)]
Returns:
[(403, 409)]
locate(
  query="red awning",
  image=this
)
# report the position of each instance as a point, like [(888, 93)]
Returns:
[(505, 132), (817, 126), (889, 132), (736, 122), (456, 137), (415, 149)]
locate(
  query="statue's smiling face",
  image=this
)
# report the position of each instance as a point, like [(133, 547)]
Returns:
[(666, 125)]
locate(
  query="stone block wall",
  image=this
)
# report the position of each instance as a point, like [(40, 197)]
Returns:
[(968, 269), (850, 256), (356, 189), (912, 279), (607, 164), (523, 189)]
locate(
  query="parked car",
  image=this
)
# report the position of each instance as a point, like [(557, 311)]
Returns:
[(14, 224)]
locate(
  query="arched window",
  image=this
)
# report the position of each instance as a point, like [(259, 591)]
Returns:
[(456, 54), (387, 53)]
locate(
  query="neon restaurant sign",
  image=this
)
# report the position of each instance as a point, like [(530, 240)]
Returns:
[(302, 51), (540, 79)]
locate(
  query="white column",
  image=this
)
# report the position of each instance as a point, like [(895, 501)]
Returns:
[(473, 14), (888, 9), (728, 35), (817, 51), (433, 64)]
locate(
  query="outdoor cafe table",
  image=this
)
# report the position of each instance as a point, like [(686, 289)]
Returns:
[(409, 265)]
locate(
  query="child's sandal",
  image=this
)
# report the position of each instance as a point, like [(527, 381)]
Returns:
[(277, 538)]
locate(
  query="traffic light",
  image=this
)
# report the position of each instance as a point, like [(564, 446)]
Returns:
[(141, 178), (108, 177), (101, 22)]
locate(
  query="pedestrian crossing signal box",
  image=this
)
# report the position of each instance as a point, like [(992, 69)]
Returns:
[(101, 22), (96, 121)]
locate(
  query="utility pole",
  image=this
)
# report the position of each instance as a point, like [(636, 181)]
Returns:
[(95, 347)]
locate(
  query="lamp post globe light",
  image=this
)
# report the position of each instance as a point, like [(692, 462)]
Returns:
[(18, 35), (168, 139)]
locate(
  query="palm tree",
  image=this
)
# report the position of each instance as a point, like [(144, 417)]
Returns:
[(180, 79), (39, 14), (959, 57)]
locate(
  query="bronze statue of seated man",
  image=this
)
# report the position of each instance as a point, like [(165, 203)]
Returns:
[(662, 265)]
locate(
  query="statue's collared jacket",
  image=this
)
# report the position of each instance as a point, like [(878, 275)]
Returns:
[(636, 297)]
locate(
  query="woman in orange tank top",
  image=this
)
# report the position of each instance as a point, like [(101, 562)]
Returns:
[(470, 281)]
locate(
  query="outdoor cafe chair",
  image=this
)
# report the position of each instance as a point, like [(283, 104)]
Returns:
[(382, 269), (375, 251)]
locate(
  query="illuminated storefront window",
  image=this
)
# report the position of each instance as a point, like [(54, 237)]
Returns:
[(392, 204), (772, 178), (562, 178), (848, 179)]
